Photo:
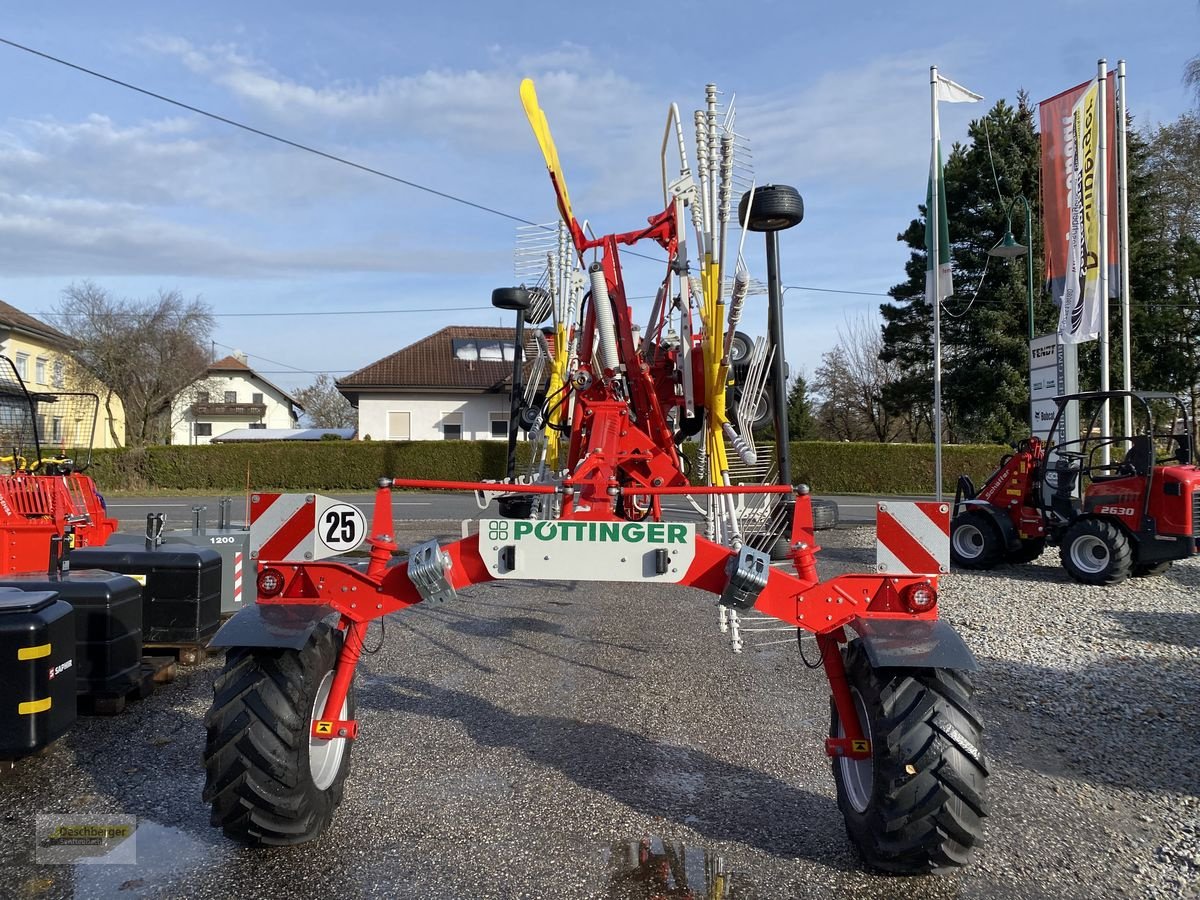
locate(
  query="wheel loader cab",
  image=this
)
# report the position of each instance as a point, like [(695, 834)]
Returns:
[(1060, 483), (1183, 448), (1139, 460)]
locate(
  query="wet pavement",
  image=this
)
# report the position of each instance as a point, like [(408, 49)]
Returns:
[(557, 740)]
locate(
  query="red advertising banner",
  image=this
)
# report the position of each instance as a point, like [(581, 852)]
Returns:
[(1056, 118)]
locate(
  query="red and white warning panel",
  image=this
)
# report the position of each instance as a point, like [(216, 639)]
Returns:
[(237, 577), (912, 537), (297, 527)]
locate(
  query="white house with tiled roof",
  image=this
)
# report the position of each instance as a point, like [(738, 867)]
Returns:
[(230, 396), (452, 385)]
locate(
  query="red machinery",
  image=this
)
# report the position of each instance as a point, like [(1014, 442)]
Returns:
[(45, 496), (909, 775), (1111, 518)]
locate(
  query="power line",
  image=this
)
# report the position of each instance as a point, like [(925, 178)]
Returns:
[(802, 287), (266, 134), (273, 362), (341, 312), (282, 140)]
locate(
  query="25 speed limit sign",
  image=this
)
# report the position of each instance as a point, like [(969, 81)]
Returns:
[(341, 527)]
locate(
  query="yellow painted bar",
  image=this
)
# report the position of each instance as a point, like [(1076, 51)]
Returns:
[(557, 379), (33, 652), (31, 707)]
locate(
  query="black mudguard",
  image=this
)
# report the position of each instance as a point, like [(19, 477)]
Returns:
[(271, 626), (914, 644), (1008, 531)]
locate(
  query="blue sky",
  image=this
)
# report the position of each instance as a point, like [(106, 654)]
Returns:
[(100, 183)]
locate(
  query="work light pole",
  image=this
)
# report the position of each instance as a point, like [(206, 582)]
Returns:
[(775, 207), (1008, 248), (516, 299)]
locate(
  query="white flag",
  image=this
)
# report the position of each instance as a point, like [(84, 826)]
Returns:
[(951, 92)]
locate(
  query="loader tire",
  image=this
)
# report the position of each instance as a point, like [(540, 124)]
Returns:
[(975, 541), (1028, 551), (1096, 552), (825, 514), (268, 781), (917, 805)]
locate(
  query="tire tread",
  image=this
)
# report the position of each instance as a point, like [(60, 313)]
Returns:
[(928, 805)]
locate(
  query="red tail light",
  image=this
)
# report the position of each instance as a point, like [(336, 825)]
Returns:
[(919, 598), (270, 583)]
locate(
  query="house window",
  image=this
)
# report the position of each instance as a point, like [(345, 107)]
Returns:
[(201, 396), (204, 429), (258, 424), (22, 363), (231, 396), (398, 428), (256, 398), (499, 425), (452, 427), (471, 349), (40, 370), (57, 434)]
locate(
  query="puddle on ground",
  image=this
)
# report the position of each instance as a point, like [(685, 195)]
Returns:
[(657, 868)]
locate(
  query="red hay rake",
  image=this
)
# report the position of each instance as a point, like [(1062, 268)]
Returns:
[(609, 430)]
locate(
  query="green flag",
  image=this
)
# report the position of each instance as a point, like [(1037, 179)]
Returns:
[(945, 282)]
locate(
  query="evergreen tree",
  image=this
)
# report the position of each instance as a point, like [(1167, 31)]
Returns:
[(801, 426), (984, 325)]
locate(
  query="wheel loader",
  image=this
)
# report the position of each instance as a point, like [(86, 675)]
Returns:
[(1114, 505)]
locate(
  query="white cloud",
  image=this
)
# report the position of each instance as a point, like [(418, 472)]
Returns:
[(604, 123), (70, 238)]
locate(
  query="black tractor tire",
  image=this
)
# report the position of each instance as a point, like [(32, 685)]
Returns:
[(1028, 551), (776, 207), (825, 514), (514, 298), (917, 806), (975, 541), (541, 304), (1149, 570), (1096, 552), (259, 779), (764, 413), (740, 348)]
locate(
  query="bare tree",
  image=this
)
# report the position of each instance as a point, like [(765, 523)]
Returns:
[(850, 382), (144, 351), (324, 406)]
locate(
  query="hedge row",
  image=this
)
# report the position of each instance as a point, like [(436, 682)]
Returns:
[(840, 468)]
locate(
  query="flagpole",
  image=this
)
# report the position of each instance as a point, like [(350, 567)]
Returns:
[(932, 214), (1102, 209), (1123, 242)]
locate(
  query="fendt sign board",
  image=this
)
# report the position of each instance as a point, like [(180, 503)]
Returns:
[(1052, 372)]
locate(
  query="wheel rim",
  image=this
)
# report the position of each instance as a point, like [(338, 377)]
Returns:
[(968, 541), (858, 775), (325, 756), (1090, 554)]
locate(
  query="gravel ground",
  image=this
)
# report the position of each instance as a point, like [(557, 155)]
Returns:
[(523, 741)]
